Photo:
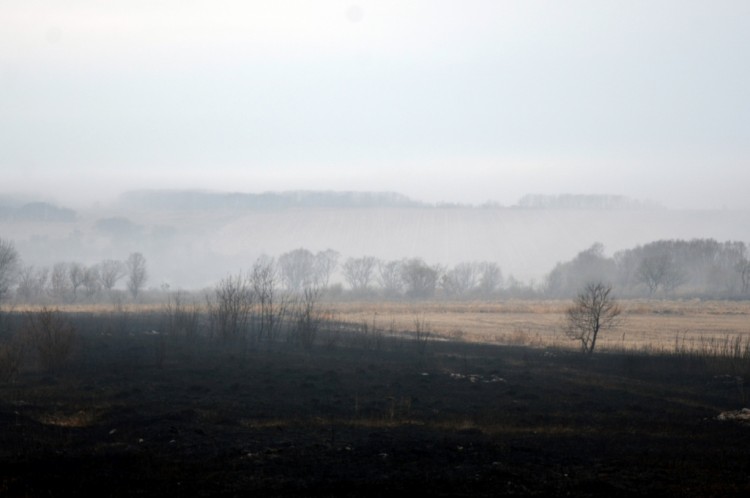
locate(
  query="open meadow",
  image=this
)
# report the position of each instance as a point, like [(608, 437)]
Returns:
[(647, 325), (487, 399)]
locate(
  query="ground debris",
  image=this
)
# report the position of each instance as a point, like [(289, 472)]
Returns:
[(742, 416)]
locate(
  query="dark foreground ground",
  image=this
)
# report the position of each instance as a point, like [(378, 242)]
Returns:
[(364, 416)]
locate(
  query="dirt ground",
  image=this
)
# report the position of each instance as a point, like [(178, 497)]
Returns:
[(363, 414)]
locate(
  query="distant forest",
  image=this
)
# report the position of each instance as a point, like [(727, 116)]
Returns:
[(702, 268), (198, 200), (664, 268)]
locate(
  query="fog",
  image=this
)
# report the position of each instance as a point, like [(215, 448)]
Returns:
[(443, 102), (439, 100), (192, 239)]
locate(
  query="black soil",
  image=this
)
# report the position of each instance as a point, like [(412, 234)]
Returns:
[(139, 414)]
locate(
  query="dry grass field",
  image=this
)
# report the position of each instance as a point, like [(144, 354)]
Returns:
[(657, 326)]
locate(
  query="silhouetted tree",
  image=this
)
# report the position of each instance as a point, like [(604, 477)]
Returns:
[(588, 265), (594, 310), (92, 282), (461, 279), (31, 283), (389, 278), (229, 308), (272, 304), (491, 279), (137, 276), (9, 266), (325, 264), (297, 269), (659, 271), (110, 272), (60, 287), (420, 280), (358, 272), (76, 276)]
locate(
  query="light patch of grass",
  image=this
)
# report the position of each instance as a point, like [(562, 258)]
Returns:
[(79, 419)]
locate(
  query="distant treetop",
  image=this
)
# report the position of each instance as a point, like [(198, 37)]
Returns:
[(201, 200), (581, 201)]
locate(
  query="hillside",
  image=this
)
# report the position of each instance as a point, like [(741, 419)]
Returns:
[(192, 240)]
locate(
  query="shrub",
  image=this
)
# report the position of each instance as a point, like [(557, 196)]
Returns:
[(51, 334)]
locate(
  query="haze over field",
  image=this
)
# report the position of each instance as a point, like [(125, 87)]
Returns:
[(439, 100), (192, 239)]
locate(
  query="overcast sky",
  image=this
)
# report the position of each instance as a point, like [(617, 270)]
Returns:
[(458, 101)]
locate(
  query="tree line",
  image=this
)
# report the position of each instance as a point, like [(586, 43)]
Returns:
[(68, 282), (664, 268)]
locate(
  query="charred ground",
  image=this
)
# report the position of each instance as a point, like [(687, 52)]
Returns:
[(363, 414)]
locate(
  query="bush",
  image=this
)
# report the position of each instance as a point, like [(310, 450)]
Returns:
[(51, 334), (11, 358)]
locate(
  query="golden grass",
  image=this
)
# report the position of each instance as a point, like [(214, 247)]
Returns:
[(647, 325), (655, 325)]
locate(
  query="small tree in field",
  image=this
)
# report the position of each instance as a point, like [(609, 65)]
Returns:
[(592, 311), (136, 267)]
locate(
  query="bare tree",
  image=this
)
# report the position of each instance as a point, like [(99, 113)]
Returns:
[(419, 278), (273, 305), (659, 271), (308, 318), (325, 264), (137, 275), (389, 278), (461, 279), (9, 266), (60, 281), (76, 277), (229, 308), (52, 335), (358, 272), (31, 283), (297, 269), (92, 281), (110, 271), (742, 268), (491, 278), (593, 310)]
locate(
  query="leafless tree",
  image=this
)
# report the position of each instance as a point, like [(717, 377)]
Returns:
[(229, 308), (461, 279), (110, 272), (271, 303), (9, 266), (92, 281), (491, 278), (137, 276), (389, 278), (742, 267), (593, 310), (76, 277), (308, 318), (297, 269), (419, 278), (52, 335), (358, 272), (325, 264), (659, 271), (31, 283), (60, 282)]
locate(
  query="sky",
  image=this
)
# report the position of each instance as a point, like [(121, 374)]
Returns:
[(455, 101)]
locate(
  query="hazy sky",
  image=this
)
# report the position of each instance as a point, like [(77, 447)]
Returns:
[(462, 101)]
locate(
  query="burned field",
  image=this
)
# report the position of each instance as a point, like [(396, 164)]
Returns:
[(361, 412)]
